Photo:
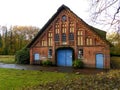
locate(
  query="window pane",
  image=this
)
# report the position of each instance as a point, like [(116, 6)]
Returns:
[(80, 53), (78, 40), (56, 37), (81, 41), (50, 53), (87, 41), (71, 36), (64, 37), (90, 41), (36, 56)]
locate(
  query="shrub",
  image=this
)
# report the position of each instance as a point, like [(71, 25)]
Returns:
[(47, 63), (78, 64), (22, 56)]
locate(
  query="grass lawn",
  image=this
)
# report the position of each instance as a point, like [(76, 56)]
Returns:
[(7, 58), (115, 62), (12, 79)]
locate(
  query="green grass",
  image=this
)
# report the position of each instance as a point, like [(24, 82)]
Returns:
[(101, 81), (12, 79), (7, 58), (115, 62)]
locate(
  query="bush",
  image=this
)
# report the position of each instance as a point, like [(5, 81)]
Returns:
[(47, 63), (22, 56), (78, 64)]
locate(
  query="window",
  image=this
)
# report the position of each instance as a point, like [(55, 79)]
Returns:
[(89, 41), (56, 37), (50, 53), (71, 36), (63, 28), (64, 18), (49, 38), (64, 37), (80, 54), (80, 33), (64, 33), (71, 27), (80, 38), (57, 32), (36, 57), (57, 28), (44, 42)]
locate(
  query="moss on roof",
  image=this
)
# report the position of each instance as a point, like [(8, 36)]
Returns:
[(101, 33)]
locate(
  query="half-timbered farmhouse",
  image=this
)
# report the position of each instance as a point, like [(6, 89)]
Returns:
[(65, 38)]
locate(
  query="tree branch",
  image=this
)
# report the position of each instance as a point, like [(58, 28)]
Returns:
[(115, 15)]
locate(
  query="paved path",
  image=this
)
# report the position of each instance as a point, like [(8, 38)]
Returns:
[(55, 69)]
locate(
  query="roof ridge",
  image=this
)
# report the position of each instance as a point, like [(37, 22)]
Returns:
[(63, 6)]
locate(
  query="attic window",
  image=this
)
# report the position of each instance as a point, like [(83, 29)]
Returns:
[(64, 18)]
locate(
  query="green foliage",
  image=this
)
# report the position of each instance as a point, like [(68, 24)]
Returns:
[(47, 63), (115, 51), (15, 38), (115, 62), (78, 64), (22, 56), (114, 39)]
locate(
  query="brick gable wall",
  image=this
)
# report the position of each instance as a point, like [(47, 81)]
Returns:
[(89, 56)]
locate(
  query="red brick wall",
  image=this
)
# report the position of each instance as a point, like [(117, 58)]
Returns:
[(89, 51), (90, 56)]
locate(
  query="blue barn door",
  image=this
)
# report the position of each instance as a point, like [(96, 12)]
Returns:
[(99, 61), (64, 57), (61, 58), (68, 58)]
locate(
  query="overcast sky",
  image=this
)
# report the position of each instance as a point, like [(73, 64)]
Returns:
[(37, 12)]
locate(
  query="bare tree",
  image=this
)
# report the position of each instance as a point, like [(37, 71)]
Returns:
[(106, 13)]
